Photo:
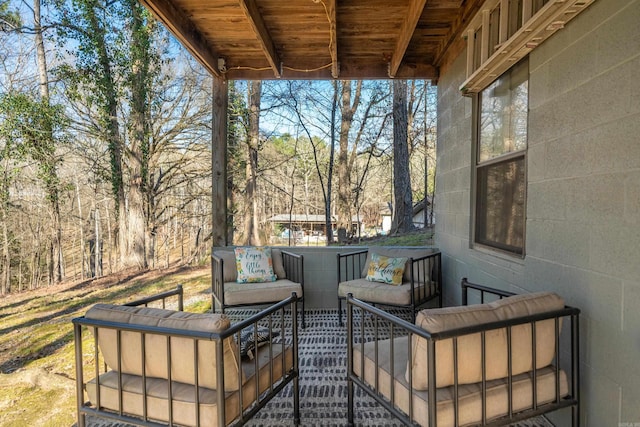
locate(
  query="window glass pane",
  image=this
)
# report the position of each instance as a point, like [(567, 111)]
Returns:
[(503, 114), (500, 210)]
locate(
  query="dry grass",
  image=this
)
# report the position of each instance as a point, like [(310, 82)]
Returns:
[(37, 370), (417, 237)]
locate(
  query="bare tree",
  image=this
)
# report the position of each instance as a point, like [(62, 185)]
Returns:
[(346, 157), (403, 206), (251, 222)]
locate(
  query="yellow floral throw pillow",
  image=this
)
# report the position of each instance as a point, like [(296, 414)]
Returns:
[(254, 264), (385, 269)]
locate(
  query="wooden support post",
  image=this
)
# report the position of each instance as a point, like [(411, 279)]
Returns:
[(219, 162)]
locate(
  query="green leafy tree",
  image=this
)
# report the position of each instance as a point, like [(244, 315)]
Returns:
[(117, 66), (93, 79), (33, 129), (140, 72)]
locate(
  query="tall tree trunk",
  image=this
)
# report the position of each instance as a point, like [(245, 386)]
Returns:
[(81, 229), (4, 217), (40, 52), (232, 156), (402, 210), (98, 245), (106, 85), (138, 158), (345, 161), (425, 131), (252, 236), (6, 256), (135, 255), (56, 268), (108, 239), (332, 150)]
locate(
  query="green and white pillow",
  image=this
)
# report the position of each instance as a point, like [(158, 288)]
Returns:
[(254, 264), (385, 269)]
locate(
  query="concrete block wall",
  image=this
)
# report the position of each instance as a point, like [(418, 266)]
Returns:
[(321, 274), (583, 197)]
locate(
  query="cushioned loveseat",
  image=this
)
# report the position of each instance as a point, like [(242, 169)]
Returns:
[(153, 366), (482, 364), (400, 277), (231, 290)]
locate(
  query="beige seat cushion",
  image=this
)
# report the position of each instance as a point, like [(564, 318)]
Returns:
[(230, 271), (470, 396), (182, 349), (469, 346), (382, 293), (258, 293), (183, 394)]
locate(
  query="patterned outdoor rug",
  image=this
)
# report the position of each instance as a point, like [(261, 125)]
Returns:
[(323, 388)]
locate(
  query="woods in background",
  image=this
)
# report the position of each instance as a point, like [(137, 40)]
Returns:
[(105, 147)]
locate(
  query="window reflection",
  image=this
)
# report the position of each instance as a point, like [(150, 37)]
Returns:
[(500, 171), (503, 114)]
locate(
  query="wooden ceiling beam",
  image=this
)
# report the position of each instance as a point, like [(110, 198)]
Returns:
[(252, 13), (348, 71), (406, 32), (182, 28)]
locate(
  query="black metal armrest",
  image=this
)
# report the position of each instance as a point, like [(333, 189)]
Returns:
[(482, 290), (427, 271), (293, 266), (350, 265), (217, 281), (163, 296), (426, 268)]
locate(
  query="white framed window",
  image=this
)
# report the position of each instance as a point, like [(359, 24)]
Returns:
[(500, 168)]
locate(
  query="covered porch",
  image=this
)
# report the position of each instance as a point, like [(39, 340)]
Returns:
[(581, 164)]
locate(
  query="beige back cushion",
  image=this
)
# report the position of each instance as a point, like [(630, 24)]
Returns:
[(230, 271), (398, 253), (182, 349), (278, 264), (469, 346)]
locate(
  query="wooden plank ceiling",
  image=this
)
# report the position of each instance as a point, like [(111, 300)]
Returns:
[(318, 39)]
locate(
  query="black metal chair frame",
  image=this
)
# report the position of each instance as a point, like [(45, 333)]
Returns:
[(399, 327), (268, 316), (294, 271), (350, 266)]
